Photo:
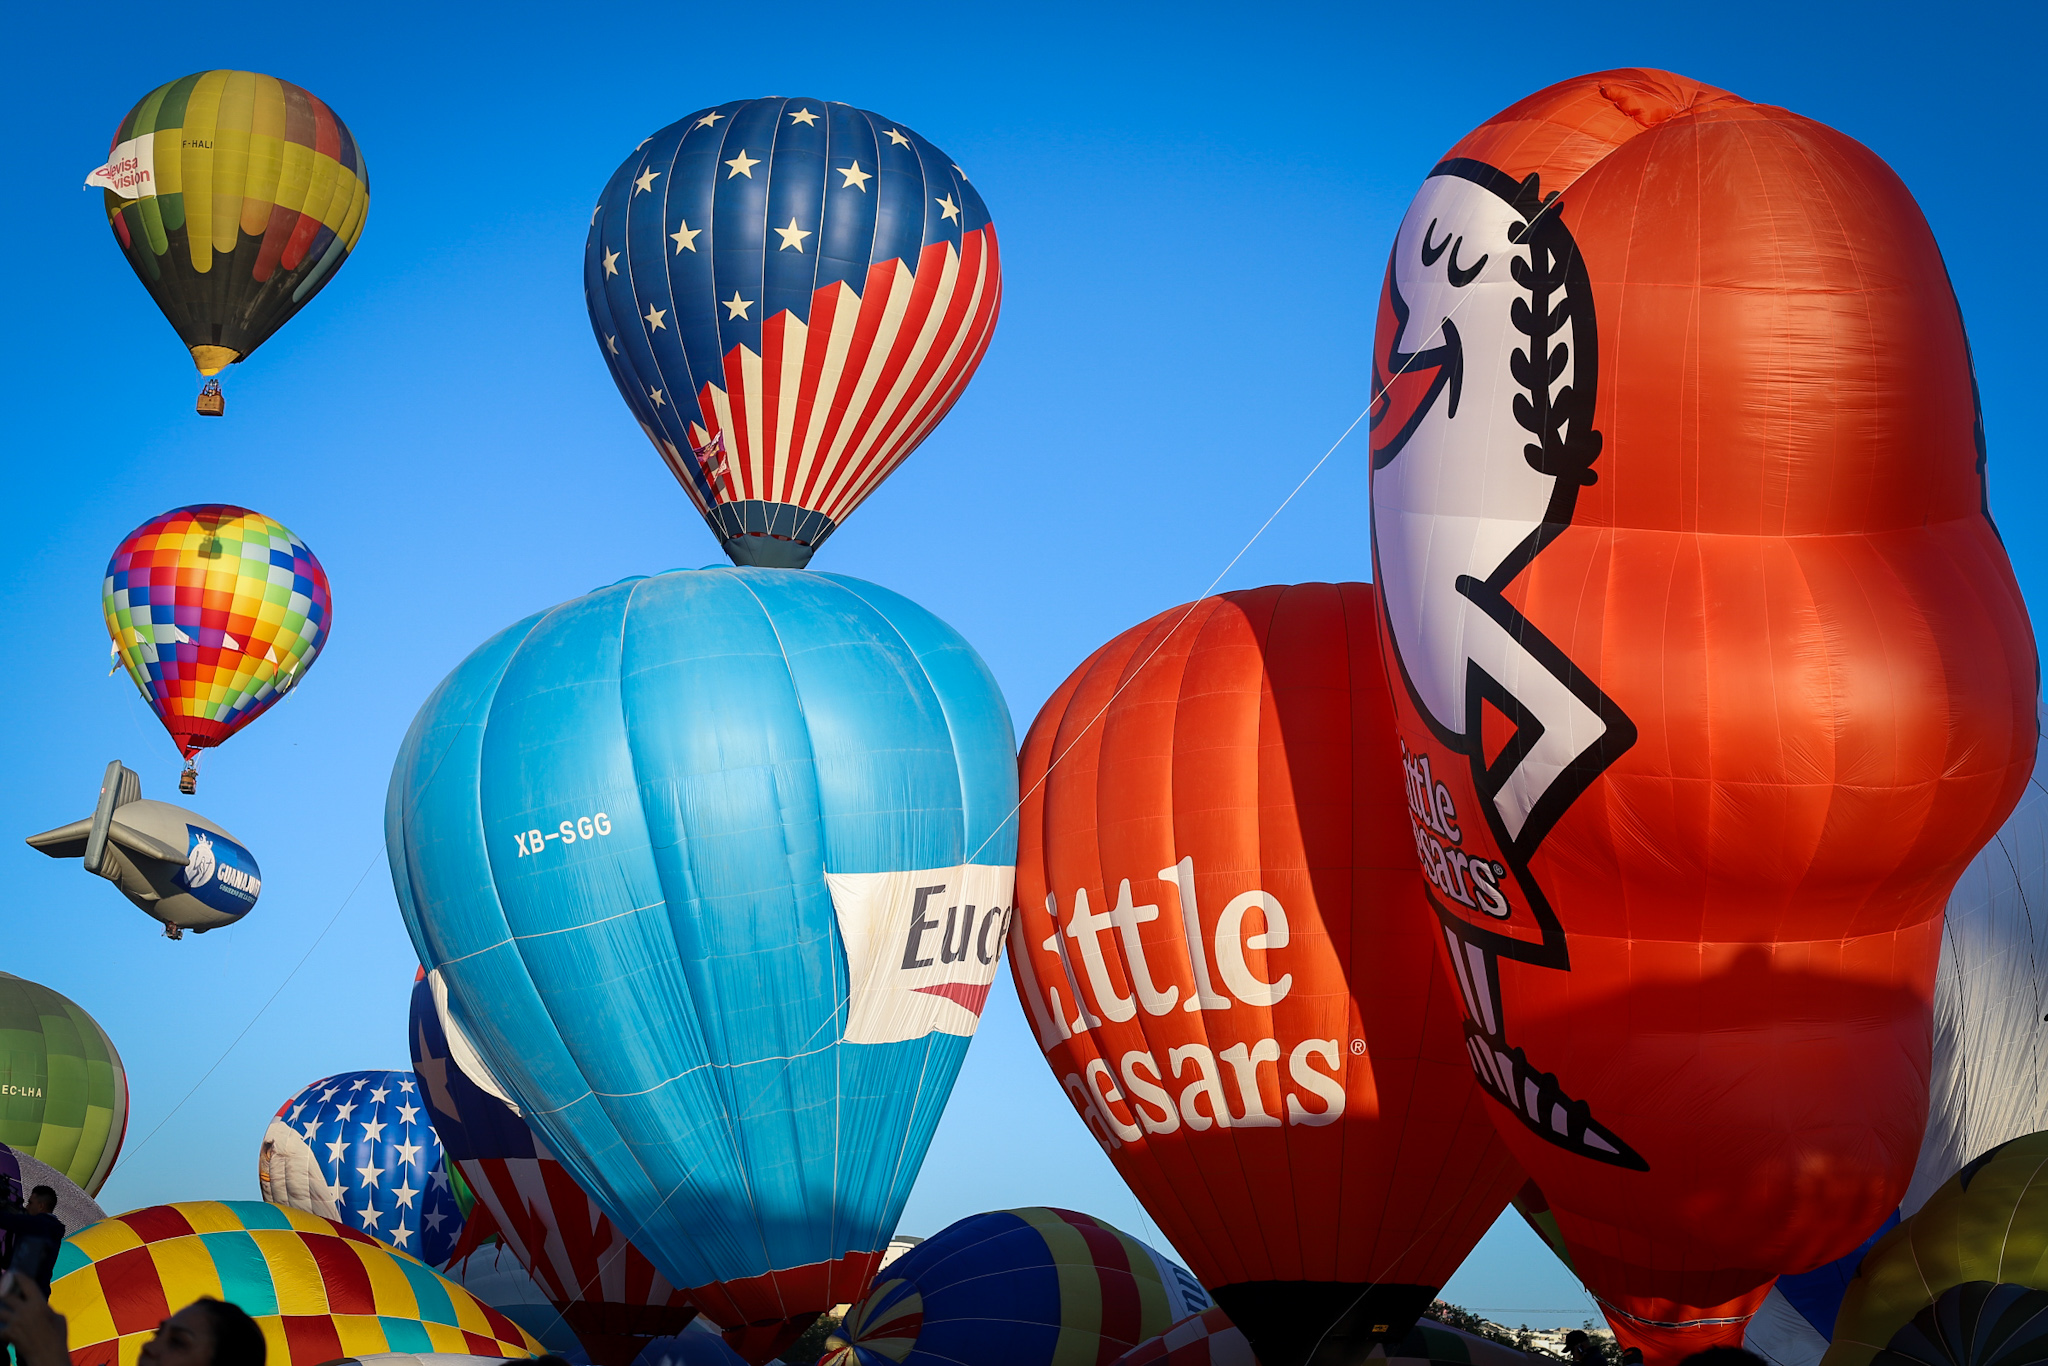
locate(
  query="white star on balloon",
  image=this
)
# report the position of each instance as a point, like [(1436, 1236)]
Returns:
[(360, 1083), (645, 181), (403, 1195), (409, 1153), (654, 397), (408, 1113), (804, 116), (406, 1086), (380, 1094), (436, 1178), (736, 307), (654, 318), (369, 1175), (329, 1093), (709, 119), (347, 1110), (297, 1110), (433, 1220), (335, 1149), (856, 178), (613, 344), (897, 137), (685, 236), (400, 1236), (312, 1126), (370, 1214), (962, 174), (373, 1129), (611, 263), (792, 236), (742, 165), (947, 208)]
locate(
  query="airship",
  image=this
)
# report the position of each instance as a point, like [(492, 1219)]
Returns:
[(177, 865)]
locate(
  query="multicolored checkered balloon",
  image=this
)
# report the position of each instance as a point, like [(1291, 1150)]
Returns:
[(317, 1289), (217, 611)]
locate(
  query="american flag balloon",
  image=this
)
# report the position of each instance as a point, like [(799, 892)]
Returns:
[(790, 294), (360, 1148)]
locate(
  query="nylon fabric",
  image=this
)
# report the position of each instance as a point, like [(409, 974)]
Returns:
[(67, 1090), (611, 831)]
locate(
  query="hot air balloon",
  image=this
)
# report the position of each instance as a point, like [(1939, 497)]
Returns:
[(172, 863), (790, 293), (67, 1093), (1713, 674), (319, 1291), (1020, 1287), (217, 612), (715, 867), (358, 1148), (1211, 1339), (1222, 944), (600, 1285), (235, 197), (1990, 1054), (1965, 1279), (495, 1276)]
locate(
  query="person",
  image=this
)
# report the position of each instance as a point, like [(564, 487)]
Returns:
[(1631, 1356), (1581, 1349), (39, 1334), (38, 1237), (206, 1332)]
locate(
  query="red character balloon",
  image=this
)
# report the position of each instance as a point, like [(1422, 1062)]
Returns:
[(1712, 672), (1222, 943)]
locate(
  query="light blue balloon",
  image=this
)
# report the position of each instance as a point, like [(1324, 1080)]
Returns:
[(611, 831)]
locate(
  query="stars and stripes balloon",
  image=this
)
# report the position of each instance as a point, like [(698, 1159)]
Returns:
[(216, 612), (235, 197), (604, 1287), (319, 1291), (790, 293), (360, 1148)]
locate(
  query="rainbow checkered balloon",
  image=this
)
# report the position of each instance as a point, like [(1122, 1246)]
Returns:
[(319, 1290), (217, 612)]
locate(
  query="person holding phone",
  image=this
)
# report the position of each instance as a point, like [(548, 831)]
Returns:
[(37, 1234)]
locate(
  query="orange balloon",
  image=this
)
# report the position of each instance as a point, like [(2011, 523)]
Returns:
[(1222, 943), (1712, 670)]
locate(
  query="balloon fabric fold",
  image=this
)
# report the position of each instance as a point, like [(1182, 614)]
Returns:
[(715, 867), (1711, 673), (790, 295), (1223, 948)]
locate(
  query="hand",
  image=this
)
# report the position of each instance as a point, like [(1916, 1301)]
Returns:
[(39, 1334)]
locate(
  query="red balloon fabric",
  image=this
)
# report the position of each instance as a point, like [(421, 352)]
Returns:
[(1712, 672), (1222, 942)]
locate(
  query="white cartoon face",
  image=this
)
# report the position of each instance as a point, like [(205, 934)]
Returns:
[(1455, 492)]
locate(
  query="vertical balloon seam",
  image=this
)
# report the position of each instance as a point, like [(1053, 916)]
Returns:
[(910, 1131)]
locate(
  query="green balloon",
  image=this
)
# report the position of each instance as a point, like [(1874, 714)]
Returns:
[(63, 1091)]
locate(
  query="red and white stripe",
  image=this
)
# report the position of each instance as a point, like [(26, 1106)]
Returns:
[(829, 409), (560, 1235)]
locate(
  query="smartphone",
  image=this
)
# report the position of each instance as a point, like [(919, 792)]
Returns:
[(6, 1284)]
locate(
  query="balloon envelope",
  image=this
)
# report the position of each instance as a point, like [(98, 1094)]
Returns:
[(574, 1257), (1975, 1253), (217, 612), (1990, 1055), (1710, 662), (359, 1148), (235, 197), (318, 1291), (1021, 1287), (1222, 944), (790, 293), (67, 1091), (715, 867)]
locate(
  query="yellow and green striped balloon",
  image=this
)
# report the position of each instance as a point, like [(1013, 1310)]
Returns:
[(236, 196), (63, 1093)]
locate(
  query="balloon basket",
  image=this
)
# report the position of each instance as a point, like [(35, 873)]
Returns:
[(212, 403), (188, 781)]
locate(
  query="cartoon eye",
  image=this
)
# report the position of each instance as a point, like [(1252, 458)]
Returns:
[(1432, 250), (1461, 277)]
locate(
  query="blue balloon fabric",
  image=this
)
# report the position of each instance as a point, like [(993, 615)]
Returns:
[(359, 1148), (790, 293), (1021, 1287), (716, 868)]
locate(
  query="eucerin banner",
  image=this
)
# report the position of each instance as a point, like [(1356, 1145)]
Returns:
[(130, 171), (921, 948)]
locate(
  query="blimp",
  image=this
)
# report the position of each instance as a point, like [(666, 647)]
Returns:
[(178, 866)]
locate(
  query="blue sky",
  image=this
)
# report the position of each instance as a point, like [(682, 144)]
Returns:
[(1194, 203)]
